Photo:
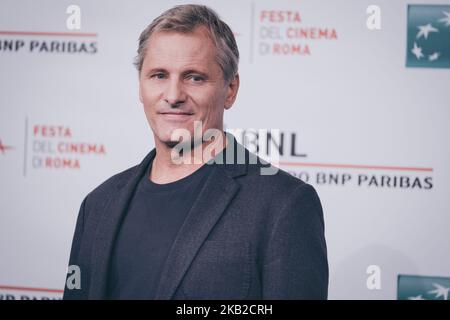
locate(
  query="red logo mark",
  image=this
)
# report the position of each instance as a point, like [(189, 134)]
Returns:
[(3, 147)]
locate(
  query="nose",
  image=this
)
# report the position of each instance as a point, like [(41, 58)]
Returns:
[(175, 95)]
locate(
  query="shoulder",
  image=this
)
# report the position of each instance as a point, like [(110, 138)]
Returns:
[(273, 187), (274, 178), (110, 185)]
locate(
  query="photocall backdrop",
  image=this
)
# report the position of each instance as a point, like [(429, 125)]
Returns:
[(360, 99)]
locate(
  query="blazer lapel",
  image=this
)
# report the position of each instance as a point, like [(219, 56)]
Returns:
[(217, 192), (108, 227)]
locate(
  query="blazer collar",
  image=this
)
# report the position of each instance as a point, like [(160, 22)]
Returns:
[(218, 190)]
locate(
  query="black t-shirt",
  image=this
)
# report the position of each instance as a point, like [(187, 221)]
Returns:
[(147, 232)]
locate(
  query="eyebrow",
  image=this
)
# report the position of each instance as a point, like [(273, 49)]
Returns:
[(155, 70), (184, 73)]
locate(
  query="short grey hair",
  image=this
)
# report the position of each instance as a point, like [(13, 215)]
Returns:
[(184, 19)]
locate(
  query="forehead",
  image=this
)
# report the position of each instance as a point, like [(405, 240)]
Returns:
[(177, 49)]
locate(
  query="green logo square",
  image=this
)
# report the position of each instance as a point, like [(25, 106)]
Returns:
[(428, 44), (422, 288)]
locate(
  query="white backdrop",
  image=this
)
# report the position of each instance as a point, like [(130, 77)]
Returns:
[(356, 112)]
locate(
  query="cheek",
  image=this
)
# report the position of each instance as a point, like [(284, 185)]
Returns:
[(216, 107), (209, 102), (147, 92), (146, 95), (149, 101)]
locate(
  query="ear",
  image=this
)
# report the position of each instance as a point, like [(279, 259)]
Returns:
[(140, 92), (232, 90)]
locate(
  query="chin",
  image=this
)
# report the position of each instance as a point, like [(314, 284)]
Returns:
[(170, 143), (167, 140)]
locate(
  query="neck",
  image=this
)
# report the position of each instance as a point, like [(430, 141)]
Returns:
[(169, 166)]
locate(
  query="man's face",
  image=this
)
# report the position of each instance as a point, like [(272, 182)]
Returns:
[(181, 82)]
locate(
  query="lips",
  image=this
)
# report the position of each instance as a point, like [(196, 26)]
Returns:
[(176, 116), (178, 113)]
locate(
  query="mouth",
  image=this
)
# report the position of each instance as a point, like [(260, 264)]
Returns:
[(177, 116)]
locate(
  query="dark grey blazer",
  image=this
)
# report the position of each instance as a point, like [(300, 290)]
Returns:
[(247, 236)]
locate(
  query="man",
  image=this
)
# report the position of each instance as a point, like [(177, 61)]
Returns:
[(197, 228)]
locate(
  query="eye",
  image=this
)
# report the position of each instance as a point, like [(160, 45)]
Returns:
[(158, 75), (196, 78)]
